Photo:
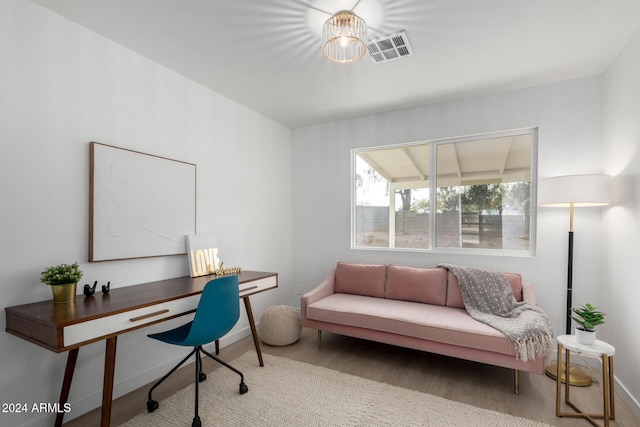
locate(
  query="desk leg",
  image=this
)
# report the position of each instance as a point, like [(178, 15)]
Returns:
[(252, 323), (72, 357), (107, 387)]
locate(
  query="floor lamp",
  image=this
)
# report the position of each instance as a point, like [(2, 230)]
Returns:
[(573, 191)]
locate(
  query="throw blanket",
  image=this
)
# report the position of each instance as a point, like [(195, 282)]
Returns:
[(488, 298)]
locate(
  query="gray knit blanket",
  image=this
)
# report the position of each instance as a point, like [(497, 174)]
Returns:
[(488, 298)]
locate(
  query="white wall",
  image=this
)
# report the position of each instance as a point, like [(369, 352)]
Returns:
[(62, 86), (619, 290), (569, 118)]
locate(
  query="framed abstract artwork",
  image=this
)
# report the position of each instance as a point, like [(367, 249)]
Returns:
[(140, 205)]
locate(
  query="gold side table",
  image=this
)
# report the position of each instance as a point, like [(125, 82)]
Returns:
[(600, 350)]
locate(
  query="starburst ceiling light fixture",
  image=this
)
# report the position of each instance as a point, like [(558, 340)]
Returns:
[(344, 37)]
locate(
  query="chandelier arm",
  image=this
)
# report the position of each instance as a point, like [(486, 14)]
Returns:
[(313, 7)]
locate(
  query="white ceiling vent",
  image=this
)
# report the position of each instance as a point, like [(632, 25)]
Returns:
[(390, 47)]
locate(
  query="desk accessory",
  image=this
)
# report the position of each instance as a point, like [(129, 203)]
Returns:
[(63, 280), (90, 290), (202, 253)]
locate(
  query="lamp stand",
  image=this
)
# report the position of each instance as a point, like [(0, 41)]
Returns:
[(577, 376)]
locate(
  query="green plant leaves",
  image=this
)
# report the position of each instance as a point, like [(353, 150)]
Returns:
[(588, 316)]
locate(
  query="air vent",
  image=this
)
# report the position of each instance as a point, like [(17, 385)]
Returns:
[(390, 47)]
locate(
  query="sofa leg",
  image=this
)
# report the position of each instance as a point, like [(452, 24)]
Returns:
[(319, 338), (516, 381)]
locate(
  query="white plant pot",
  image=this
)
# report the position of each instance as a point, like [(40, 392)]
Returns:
[(585, 337)]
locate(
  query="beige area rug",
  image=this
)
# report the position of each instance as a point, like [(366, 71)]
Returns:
[(290, 393)]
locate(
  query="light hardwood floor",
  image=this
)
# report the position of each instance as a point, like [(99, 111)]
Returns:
[(469, 382)]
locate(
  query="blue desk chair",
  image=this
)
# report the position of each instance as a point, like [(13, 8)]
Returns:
[(218, 311)]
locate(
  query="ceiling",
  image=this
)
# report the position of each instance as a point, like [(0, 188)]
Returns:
[(265, 54), (478, 161)]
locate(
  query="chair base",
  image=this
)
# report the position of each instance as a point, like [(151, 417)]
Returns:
[(152, 405)]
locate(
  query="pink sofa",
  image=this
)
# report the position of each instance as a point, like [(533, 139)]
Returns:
[(419, 308)]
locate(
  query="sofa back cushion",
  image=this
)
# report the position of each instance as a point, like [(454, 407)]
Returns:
[(454, 294), (426, 285), (360, 279)]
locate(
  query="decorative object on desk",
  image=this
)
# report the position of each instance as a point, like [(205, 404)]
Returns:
[(63, 280), (90, 290), (220, 271), (106, 288), (141, 205), (573, 191), (202, 253), (588, 317)]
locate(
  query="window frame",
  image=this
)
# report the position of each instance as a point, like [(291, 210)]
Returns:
[(433, 186)]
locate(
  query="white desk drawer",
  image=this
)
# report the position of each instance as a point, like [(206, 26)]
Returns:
[(104, 326), (259, 285)]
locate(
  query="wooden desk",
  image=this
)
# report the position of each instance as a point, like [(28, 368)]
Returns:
[(69, 326)]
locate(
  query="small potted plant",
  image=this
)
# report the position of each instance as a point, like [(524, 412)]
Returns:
[(588, 317), (63, 280)]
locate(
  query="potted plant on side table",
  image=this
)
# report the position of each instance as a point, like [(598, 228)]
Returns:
[(588, 317), (63, 280)]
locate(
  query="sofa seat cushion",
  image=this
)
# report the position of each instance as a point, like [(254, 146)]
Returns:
[(361, 279), (425, 321), (427, 285)]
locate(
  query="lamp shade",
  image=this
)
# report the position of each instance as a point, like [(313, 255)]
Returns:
[(344, 37), (579, 190)]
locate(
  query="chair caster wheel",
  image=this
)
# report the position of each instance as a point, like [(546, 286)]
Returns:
[(196, 422), (152, 405), (243, 388), (202, 376)]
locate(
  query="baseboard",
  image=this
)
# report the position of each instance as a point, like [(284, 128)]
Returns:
[(631, 402)]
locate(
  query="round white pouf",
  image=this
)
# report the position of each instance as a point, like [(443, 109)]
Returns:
[(280, 325)]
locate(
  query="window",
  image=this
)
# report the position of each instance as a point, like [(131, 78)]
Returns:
[(470, 193)]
